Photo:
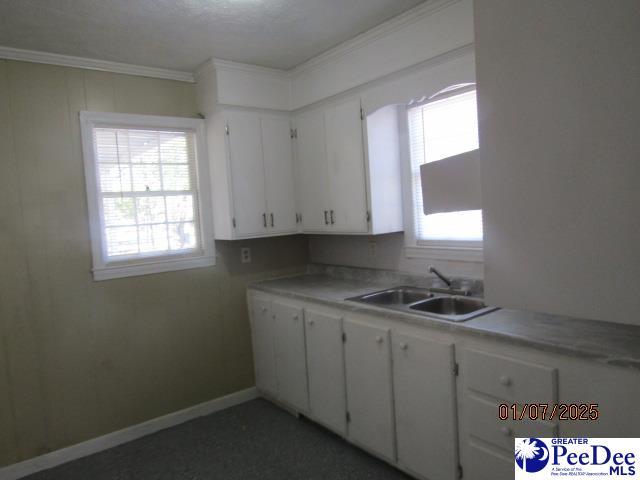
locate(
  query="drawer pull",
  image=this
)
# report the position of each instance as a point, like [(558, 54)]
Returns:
[(505, 381), (404, 346), (379, 339), (506, 431)]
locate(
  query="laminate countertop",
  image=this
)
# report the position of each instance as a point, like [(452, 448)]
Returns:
[(605, 342)]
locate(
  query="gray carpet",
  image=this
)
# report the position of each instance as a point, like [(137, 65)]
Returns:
[(255, 440)]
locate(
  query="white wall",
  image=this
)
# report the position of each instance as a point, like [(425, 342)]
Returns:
[(559, 111)]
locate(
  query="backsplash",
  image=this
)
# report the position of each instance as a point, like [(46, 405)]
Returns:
[(475, 286), (384, 252)]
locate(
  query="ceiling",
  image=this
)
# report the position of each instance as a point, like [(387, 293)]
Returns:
[(183, 34)]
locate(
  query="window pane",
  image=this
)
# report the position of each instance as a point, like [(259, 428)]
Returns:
[(438, 130), (114, 177), (106, 144), (176, 177), (182, 236), (454, 225), (150, 210), (118, 211), (153, 238), (143, 146), (133, 162), (180, 208), (121, 240), (146, 178), (174, 147)]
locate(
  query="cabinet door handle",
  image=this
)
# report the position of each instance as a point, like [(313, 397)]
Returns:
[(272, 219), (332, 220), (326, 220), (264, 220)]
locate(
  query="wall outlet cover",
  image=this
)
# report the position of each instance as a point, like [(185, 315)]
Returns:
[(245, 255)]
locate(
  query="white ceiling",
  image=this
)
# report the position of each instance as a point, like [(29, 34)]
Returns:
[(182, 34)]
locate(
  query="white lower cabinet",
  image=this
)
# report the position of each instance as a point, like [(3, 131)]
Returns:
[(369, 388), (425, 406), (325, 367), (263, 336), (290, 354)]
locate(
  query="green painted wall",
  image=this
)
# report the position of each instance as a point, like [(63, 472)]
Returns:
[(80, 358)]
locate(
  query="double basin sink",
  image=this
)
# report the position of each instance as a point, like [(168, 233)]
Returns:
[(453, 308)]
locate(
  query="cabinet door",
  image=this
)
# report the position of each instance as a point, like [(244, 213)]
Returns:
[(312, 171), (424, 389), (369, 389), (278, 170), (262, 329), (247, 172), (325, 366), (291, 362), (345, 157)]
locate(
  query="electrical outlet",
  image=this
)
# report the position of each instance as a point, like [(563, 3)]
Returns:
[(373, 248), (245, 255)]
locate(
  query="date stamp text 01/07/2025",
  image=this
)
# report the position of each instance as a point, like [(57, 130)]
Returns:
[(549, 412)]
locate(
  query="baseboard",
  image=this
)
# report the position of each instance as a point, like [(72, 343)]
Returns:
[(113, 439)]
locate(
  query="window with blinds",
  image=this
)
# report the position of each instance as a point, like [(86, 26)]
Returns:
[(439, 129), (146, 193)]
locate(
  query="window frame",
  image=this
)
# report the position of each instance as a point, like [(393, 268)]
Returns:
[(454, 250), (104, 269)]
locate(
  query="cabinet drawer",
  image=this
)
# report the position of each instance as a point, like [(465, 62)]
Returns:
[(483, 464), (509, 379), (483, 423)]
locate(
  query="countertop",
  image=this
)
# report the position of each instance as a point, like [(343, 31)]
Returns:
[(609, 343)]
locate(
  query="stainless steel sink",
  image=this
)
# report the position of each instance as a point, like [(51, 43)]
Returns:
[(396, 296), (453, 308), (424, 302)]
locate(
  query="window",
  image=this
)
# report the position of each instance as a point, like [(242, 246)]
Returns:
[(440, 128), (147, 194)]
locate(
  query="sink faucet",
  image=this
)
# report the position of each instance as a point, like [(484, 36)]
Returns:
[(440, 276)]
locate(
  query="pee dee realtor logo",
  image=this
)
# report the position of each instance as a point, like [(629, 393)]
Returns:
[(552, 458)]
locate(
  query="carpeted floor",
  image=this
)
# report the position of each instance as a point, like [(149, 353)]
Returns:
[(255, 440)]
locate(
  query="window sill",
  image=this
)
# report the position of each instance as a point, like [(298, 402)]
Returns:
[(148, 268), (449, 252)]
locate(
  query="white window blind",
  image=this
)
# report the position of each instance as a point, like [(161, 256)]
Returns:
[(437, 130), (148, 192)]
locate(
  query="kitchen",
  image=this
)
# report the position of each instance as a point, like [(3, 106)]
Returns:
[(411, 225)]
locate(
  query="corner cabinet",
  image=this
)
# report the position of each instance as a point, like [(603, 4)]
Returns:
[(252, 175), (347, 185)]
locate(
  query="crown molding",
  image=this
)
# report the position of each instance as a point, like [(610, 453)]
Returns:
[(228, 65), (467, 49), (392, 25), (92, 64)]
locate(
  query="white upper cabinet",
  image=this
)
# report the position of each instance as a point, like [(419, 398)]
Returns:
[(252, 174), (278, 174), (336, 175), (313, 180)]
